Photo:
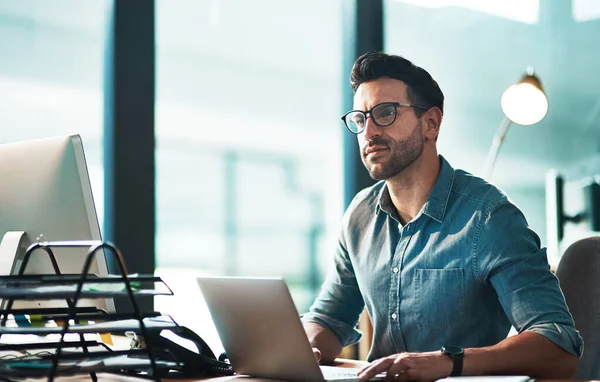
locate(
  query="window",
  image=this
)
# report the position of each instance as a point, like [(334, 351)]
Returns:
[(475, 52), (248, 141), (51, 74)]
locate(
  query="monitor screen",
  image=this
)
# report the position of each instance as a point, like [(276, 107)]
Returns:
[(554, 213), (45, 191)]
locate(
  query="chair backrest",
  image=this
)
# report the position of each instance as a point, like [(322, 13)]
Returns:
[(579, 275)]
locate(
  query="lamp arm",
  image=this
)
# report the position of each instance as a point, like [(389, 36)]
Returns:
[(495, 148)]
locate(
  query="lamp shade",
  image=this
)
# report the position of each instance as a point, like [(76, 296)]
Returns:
[(525, 103)]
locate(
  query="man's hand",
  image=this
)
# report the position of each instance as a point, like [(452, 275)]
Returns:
[(410, 367), (317, 354), (324, 341)]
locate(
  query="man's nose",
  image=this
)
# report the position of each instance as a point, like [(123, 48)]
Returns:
[(371, 129)]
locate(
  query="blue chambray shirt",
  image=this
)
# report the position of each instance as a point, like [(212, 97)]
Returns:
[(464, 270)]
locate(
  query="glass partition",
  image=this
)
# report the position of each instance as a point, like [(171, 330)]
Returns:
[(475, 50), (248, 140), (51, 74)]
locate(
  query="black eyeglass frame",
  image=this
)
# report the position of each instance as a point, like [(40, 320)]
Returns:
[(366, 113)]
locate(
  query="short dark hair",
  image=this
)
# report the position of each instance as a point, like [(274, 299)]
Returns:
[(421, 87)]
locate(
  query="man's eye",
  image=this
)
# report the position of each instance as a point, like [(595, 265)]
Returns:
[(388, 111), (359, 119)]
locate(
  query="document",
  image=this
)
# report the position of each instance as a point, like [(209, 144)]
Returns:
[(490, 378)]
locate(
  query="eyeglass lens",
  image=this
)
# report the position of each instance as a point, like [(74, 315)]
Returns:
[(383, 115)]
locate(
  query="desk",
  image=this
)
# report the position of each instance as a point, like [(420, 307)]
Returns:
[(103, 377), (116, 378)]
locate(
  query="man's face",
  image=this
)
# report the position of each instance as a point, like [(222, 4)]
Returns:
[(387, 151)]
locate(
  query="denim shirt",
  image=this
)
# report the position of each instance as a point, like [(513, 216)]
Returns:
[(464, 270)]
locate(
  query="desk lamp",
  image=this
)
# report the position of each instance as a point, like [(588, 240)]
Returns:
[(523, 103)]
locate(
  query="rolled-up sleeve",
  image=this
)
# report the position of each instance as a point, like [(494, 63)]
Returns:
[(340, 302), (508, 257)]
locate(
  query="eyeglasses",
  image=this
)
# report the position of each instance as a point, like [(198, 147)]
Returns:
[(383, 114)]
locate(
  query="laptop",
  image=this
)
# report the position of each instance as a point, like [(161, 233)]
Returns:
[(261, 330)]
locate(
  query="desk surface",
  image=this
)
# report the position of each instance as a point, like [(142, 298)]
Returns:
[(103, 377), (118, 378)]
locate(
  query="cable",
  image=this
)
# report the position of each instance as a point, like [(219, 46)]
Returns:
[(12, 357)]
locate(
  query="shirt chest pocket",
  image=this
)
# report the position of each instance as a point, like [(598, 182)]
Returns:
[(440, 297)]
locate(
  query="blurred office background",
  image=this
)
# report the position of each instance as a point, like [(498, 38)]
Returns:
[(249, 145)]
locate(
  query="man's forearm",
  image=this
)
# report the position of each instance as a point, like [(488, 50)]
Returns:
[(527, 353), (324, 340)]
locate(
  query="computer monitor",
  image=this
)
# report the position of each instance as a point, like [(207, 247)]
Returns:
[(554, 214), (576, 202), (45, 191)]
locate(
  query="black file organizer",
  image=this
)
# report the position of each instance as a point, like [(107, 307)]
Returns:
[(139, 362)]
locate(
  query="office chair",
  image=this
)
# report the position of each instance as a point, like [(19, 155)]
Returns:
[(579, 275)]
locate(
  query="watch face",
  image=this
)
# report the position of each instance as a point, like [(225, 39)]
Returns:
[(452, 350)]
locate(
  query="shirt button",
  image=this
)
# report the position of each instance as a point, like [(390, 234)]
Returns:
[(394, 316), (395, 270)]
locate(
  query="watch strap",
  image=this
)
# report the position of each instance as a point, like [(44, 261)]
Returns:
[(456, 354), (458, 365)]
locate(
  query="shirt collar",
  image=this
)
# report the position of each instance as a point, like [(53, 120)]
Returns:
[(384, 202), (436, 205)]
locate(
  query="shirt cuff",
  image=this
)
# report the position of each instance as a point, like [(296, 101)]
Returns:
[(565, 337), (344, 332)]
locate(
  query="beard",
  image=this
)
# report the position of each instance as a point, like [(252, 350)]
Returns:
[(401, 155)]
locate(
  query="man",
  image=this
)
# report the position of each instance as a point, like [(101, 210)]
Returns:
[(443, 261)]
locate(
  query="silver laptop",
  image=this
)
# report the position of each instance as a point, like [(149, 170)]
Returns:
[(261, 330)]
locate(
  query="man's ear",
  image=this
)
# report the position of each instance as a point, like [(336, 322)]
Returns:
[(432, 119)]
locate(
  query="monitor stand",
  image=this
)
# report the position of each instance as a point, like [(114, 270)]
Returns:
[(13, 246)]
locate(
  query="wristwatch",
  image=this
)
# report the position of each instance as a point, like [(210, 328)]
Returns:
[(456, 354)]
